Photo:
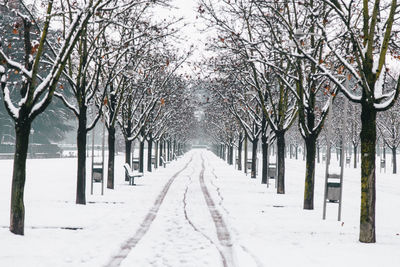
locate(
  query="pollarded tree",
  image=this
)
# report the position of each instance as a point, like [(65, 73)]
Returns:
[(35, 88)]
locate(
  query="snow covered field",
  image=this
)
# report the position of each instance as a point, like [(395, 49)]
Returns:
[(167, 219)]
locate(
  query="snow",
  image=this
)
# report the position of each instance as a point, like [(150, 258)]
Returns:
[(266, 229)]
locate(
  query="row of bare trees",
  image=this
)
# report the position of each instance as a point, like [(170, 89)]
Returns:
[(105, 59), (282, 60)]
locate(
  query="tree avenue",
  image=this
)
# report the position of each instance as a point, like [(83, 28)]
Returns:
[(271, 73)]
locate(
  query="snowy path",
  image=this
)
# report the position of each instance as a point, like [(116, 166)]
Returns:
[(197, 212), (184, 227)]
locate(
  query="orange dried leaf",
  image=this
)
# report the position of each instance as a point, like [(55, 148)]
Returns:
[(15, 31)]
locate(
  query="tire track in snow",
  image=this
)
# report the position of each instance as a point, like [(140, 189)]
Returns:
[(146, 223), (194, 226), (223, 234), (255, 259)]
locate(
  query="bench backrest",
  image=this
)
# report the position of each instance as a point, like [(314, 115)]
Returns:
[(128, 170)]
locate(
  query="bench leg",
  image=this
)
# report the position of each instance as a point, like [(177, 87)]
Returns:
[(131, 180)]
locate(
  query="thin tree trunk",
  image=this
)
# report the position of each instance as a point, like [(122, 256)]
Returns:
[(156, 156), (310, 173), (264, 146), (111, 157), (149, 152), (161, 151), (81, 168), (240, 145), (128, 150), (254, 158), (245, 155), (231, 153), (318, 152), (355, 156), (394, 160), (169, 151), (368, 193), (17, 211), (280, 141), (141, 156)]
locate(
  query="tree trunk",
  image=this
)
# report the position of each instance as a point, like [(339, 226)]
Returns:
[(17, 211), (231, 153), (240, 145), (245, 155), (318, 153), (280, 141), (368, 194), (254, 159), (156, 156), (394, 160), (264, 145), (161, 151), (149, 152), (128, 150), (297, 151), (355, 156), (111, 157), (81, 169), (310, 173), (168, 150), (141, 156)]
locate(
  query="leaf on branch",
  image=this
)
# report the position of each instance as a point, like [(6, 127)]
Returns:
[(15, 31), (162, 101), (105, 101)]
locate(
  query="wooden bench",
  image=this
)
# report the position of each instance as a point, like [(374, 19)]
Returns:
[(129, 173), (164, 162)]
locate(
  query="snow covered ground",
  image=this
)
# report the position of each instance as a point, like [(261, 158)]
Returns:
[(196, 212)]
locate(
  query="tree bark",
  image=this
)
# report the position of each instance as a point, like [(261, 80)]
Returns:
[(355, 156), (231, 153), (141, 156), (156, 155), (149, 150), (81, 169), (168, 150), (111, 157), (264, 145), (280, 141), (394, 160), (128, 151), (17, 211), (368, 193), (254, 158), (245, 155), (161, 151), (310, 173), (240, 145)]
